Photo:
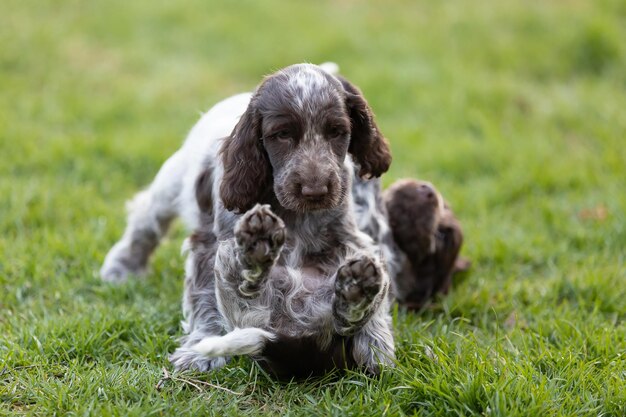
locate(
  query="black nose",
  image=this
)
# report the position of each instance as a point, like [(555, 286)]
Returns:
[(314, 192), (427, 191)]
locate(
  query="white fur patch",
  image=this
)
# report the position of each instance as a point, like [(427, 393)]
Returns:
[(248, 341), (307, 81), (330, 67)]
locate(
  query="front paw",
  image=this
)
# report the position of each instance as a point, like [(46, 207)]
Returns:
[(260, 236), (357, 293)]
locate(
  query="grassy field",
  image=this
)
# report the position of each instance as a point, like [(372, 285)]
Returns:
[(516, 110)]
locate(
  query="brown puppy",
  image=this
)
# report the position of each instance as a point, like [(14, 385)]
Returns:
[(429, 238)]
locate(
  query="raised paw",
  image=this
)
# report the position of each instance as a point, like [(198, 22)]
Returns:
[(260, 235), (357, 293)]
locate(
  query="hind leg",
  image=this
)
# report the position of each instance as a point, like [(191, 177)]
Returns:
[(202, 318), (222, 279), (150, 214)]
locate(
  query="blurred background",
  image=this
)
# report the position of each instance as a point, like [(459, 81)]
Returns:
[(516, 110), (516, 105)]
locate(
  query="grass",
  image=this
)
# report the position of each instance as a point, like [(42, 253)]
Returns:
[(514, 109)]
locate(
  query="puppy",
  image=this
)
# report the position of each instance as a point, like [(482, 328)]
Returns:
[(429, 238), (278, 266)]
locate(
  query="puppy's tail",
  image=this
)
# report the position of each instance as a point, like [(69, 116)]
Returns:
[(330, 67), (250, 341)]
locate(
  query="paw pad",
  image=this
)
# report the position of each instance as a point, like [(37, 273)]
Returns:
[(261, 234)]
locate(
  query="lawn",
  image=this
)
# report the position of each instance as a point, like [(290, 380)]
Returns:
[(516, 110)]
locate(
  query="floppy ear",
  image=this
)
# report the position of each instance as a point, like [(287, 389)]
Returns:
[(450, 240), (368, 146), (247, 171), (455, 240), (204, 190)]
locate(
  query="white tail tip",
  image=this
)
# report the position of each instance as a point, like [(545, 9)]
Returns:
[(248, 341)]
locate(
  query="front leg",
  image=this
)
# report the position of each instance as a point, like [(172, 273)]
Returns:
[(360, 286), (361, 309), (259, 238)]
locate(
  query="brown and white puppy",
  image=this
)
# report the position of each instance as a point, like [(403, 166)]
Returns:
[(429, 237), (292, 274), (278, 265)]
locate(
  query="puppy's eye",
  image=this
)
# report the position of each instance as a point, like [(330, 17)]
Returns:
[(336, 132), (284, 134)]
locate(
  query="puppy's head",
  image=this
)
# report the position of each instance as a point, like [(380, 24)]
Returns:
[(293, 139), (415, 210), (426, 230)]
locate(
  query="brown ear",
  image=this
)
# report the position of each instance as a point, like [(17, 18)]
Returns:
[(204, 190), (451, 242), (368, 146), (247, 172)]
